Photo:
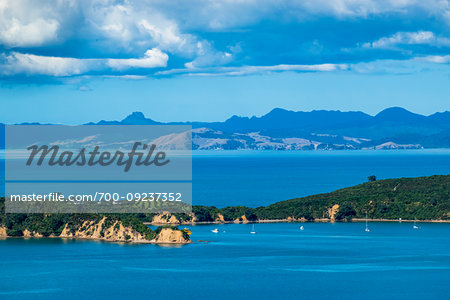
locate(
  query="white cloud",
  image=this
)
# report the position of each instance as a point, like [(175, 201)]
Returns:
[(229, 14), (17, 63), (153, 58), (187, 30), (28, 64), (166, 36), (25, 23), (207, 56), (247, 70), (438, 59), (409, 38), (135, 25), (35, 33)]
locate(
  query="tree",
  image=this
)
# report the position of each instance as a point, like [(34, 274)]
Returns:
[(372, 178), (346, 211)]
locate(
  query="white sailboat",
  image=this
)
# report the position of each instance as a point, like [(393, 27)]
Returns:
[(367, 225), (253, 229), (216, 230), (415, 225)]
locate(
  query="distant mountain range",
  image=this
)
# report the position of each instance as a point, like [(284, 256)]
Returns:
[(280, 129)]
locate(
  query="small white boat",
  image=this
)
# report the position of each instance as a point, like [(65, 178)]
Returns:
[(253, 229), (415, 225), (215, 230), (367, 225), (301, 228)]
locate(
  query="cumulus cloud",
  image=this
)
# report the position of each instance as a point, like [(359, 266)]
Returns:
[(27, 23), (29, 64), (226, 14), (153, 58), (234, 37), (35, 33), (409, 38)]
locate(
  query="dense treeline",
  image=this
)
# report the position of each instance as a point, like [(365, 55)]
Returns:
[(424, 198), (53, 224)]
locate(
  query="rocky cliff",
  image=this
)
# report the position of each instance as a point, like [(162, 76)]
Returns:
[(3, 232), (106, 229)]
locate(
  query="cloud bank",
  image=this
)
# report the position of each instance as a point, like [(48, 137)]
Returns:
[(138, 39)]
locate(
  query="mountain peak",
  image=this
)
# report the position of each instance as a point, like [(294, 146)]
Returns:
[(277, 110), (395, 110), (137, 115), (137, 118)]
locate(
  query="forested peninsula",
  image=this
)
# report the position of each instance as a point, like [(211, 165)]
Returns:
[(421, 198)]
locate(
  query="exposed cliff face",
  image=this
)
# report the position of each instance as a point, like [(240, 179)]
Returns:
[(332, 211), (29, 234), (242, 219), (117, 232), (170, 236), (165, 218), (3, 232), (100, 231), (220, 218), (111, 230)]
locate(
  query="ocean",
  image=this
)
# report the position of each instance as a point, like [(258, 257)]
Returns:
[(323, 261), (260, 178)]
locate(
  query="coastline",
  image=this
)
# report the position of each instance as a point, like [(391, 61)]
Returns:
[(356, 220), (124, 235), (97, 240)]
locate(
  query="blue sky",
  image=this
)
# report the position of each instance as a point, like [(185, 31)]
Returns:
[(79, 61)]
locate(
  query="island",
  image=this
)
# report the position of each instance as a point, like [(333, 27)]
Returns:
[(420, 198), (125, 228)]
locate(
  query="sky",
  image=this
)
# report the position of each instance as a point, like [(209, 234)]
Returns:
[(73, 62)]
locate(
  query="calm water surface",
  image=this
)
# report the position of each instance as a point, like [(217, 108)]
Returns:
[(324, 261), (259, 178)]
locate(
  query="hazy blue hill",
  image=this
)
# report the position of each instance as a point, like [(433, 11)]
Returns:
[(136, 118), (334, 120), (285, 119), (393, 127), (441, 117), (400, 116)]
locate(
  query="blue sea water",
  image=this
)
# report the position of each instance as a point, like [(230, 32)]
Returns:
[(338, 261), (259, 178), (324, 261)]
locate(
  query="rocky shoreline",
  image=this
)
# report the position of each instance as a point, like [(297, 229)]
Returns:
[(299, 221), (116, 232), (168, 219)]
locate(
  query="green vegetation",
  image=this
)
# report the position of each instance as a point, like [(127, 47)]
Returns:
[(53, 224), (424, 198)]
